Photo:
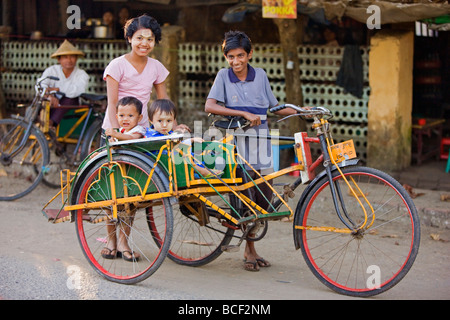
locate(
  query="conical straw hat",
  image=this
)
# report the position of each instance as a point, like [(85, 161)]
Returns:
[(66, 48)]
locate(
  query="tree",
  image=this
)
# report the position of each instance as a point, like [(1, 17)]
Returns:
[(289, 35)]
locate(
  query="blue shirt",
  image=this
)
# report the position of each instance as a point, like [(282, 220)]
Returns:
[(151, 132), (253, 95)]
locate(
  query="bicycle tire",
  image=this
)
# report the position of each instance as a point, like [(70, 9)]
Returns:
[(93, 236), (91, 140), (365, 263), (21, 174)]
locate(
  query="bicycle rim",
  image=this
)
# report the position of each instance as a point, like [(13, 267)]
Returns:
[(22, 173), (93, 233), (373, 260)]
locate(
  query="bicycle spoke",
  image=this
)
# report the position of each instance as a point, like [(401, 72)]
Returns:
[(21, 166)]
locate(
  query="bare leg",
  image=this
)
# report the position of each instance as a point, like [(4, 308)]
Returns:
[(109, 251), (124, 234), (253, 261)]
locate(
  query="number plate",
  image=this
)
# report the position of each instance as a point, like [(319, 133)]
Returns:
[(343, 151)]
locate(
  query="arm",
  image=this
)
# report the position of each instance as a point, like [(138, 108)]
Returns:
[(161, 90), (285, 112), (122, 136), (112, 87)]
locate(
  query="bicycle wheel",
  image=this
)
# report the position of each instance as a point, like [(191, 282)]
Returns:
[(199, 231), (95, 227), (20, 174), (361, 263), (61, 156), (92, 139)]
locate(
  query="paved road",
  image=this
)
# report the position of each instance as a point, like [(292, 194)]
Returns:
[(38, 261)]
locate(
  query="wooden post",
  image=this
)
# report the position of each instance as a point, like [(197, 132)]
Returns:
[(167, 54), (287, 29)]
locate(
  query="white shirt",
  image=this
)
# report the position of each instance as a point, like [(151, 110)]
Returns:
[(137, 129), (73, 86)]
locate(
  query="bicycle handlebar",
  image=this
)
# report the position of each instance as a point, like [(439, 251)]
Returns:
[(38, 82), (309, 111)]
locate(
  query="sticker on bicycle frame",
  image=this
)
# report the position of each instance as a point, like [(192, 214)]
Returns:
[(343, 151)]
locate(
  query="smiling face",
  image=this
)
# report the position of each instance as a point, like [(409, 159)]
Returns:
[(142, 42), (163, 122), (128, 117), (238, 60)]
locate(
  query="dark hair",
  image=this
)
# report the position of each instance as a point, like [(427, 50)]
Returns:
[(163, 106), (125, 101), (142, 22), (235, 40)]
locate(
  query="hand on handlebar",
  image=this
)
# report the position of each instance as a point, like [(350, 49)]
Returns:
[(254, 120)]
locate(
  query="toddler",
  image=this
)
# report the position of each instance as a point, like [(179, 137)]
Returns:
[(162, 115), (129, 113)]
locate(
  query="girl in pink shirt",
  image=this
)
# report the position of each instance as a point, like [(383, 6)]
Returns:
[(135, 74)]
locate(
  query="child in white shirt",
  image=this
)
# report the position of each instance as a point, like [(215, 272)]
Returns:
[(129, 113)]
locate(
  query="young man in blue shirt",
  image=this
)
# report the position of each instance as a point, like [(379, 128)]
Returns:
[(244, 91)]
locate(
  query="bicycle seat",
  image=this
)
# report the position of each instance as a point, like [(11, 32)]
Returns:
[(93, 97), (230, 122)]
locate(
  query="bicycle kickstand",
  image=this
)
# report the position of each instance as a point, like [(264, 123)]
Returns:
[(235, 247)]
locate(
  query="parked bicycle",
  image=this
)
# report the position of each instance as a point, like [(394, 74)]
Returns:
[(357, 227), (31, 151)]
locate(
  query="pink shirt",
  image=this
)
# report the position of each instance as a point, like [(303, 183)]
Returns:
[(132, 83)]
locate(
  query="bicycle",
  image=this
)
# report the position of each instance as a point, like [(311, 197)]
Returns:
[(357, 227), (31, 152)]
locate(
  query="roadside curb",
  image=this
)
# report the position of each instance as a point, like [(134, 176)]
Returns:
[(432, 209), (435, 217)]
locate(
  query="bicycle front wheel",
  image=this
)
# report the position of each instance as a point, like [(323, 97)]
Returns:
[(21, 173), (365, 262), (97, 230)]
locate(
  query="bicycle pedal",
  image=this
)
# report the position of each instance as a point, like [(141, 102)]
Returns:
[(230, 248)]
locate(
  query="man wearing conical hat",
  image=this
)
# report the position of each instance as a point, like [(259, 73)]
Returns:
[(73, 81)]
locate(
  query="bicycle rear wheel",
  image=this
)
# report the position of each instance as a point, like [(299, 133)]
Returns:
[(20, 174), (367, 262), (63, 156), (199, 231), (132, 220), (60, 157), (92, 139)]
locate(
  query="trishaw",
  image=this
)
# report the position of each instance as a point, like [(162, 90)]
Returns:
[(357, 227), (31, 152)]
